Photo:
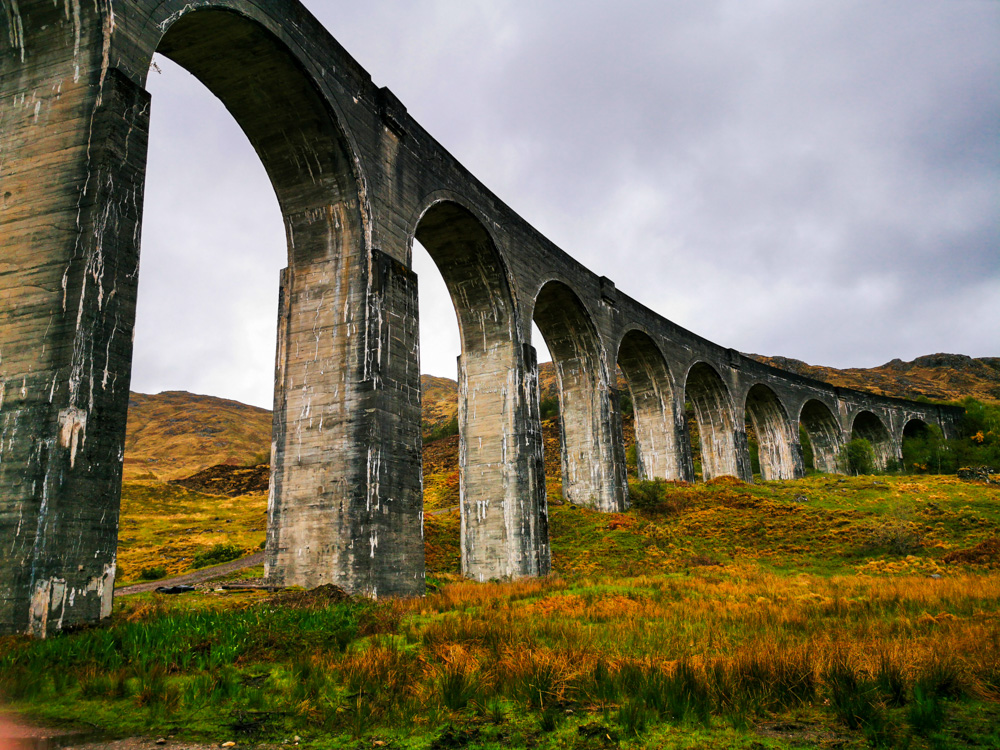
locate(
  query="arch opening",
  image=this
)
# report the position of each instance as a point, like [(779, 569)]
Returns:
[(915, 428), (868, 427), (777, 449), (310, 167), (214, 339), (473, 272), (651, 395), (823, 431), (590, 468), (922, 447), (504, 528), (713, 412), (287, 121)]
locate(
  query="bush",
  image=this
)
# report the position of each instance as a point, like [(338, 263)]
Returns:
[(895, 535), (153, 573), (925, 451), (548, 408), (443, 430), (858, 457), (648, 494), (218, 554), (808, 456), (625, 404), (632, 459)]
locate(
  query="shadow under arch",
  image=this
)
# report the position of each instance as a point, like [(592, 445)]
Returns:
[(593, 466), (504, 516), (915, 427), (473, 271), (824, 433), (657, 428), (868, 426), (780, 455), (713, 410)]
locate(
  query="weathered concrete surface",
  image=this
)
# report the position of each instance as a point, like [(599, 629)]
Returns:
[(357, 180)]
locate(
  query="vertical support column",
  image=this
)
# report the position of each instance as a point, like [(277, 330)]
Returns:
[(527, 442), (345, 504), (741, 446), (501, 471), (593, 456), (71, 181)]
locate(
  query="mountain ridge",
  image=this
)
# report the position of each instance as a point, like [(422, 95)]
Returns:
[(175, 434)]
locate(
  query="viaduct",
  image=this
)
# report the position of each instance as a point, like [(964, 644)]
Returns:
[(357, 180)]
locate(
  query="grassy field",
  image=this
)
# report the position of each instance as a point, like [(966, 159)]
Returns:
[(828, 611), (165, 526)]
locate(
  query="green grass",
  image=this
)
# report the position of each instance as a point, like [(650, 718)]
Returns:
[(735, 616), (167, 526)]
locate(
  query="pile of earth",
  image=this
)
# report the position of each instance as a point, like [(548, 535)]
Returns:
[(986, 552), (232, 481)]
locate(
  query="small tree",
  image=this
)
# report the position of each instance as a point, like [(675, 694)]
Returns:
[(925, 451), (858, 457)]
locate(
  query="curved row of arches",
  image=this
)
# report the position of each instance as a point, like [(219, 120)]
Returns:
[(687, 426), (696, 429), (357, 182)]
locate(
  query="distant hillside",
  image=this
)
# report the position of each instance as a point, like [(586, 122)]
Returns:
[(941, 377), (439, 400), (176, 434)]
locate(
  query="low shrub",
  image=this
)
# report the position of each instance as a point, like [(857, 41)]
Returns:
[(153, 573), (219, 553), (925, 714), (858, 457), (648, 494), (458, 683), (651, 496)]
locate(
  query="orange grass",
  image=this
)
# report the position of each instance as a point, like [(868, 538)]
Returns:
[(709, 617)]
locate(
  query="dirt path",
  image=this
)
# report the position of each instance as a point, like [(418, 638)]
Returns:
[(198, 576), (216, 571)]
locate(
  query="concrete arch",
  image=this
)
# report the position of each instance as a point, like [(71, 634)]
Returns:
[(866, 424), (316, 178), (592, 458), (780, 454), (474, 272), (713, 410), (290, 124), (657, 432), (914, 427), (824, 432), (504, 522)]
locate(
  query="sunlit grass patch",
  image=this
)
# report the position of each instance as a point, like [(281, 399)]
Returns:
[(167, 526)]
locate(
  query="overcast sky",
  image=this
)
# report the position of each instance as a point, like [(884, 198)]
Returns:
[(813, 179)]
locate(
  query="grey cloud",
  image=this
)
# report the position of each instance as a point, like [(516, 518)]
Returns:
[(830, 170)]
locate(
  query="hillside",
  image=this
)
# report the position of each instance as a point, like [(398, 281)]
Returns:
[(940, 377), (176, 434)]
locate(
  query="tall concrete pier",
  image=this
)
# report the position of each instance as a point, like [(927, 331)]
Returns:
[(357, 180)]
